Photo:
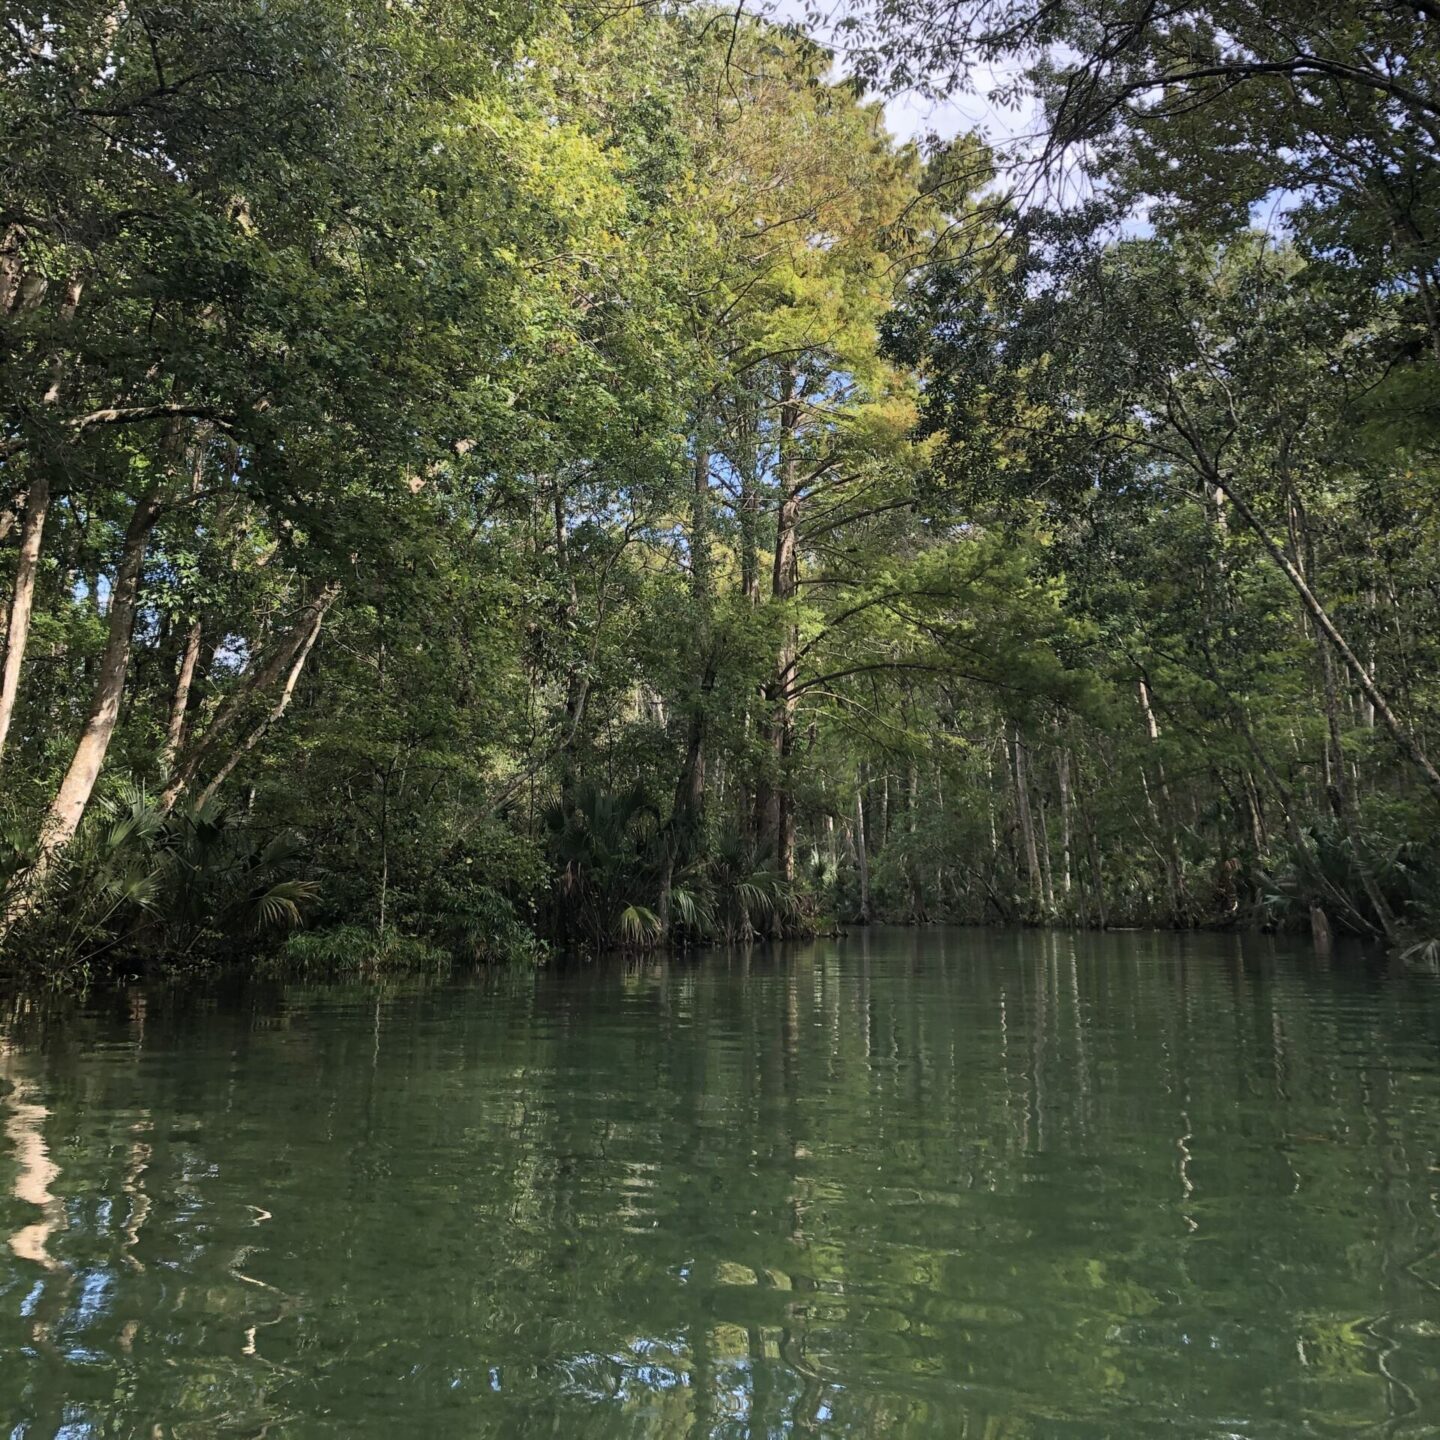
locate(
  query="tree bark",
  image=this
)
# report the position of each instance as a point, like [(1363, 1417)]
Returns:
[(1337, 790), (779, 817), (1174, 871), (22, 602), (1024, 816), (180, 697), (10, 514), (1408, 745), (67, 809), (1062, 777), (1092, 850), (274, 714), (275, 663), (862, 852), (1046, 875), (749, 509), (17, 632), (12, 267), (688, 810)]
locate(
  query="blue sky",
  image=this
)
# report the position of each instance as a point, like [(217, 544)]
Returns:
[(913, 117)]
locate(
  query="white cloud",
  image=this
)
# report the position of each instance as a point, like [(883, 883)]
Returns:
[(912, 116)]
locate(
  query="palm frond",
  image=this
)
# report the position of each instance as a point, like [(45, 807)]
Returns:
[(637, 925), (279, 907), (692, 910)]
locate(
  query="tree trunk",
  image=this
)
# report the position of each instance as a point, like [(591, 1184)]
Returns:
[(1024, 816), (1408, 745), (912, 868), (862, 851), (990, 793), (275, 663), (1046, 877), (276, 711), (749, 533), (67, 809), (687, 815), (1164, 828), (22, 602), (1092, 850), (10, 514), (1259, 836), (779, 817), (1062, 777), (12, 267), (180, 697), (1337, 790), (687, 812), (690, 792), (17, 631)]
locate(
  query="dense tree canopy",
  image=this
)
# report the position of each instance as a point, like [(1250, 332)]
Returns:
[(474, 479)]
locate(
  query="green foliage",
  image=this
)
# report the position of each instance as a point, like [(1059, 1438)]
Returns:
[(592, 482), (190, 887), (352, 951)]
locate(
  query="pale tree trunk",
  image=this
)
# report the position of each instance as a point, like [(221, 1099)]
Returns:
[(779, 816), (68, 807), (688, 810), (1046, 876), (745, 435), (1406, 742), (990, 797), (862, 850), (1367, 708), (940, 811), (12, 268), (180, 698), (1092, 850), (1337, 790), (1174, 871), (912, 869), (1259, 835), (689, 806), (1062, 777), (1336, 782), (190, 651), (273, 715), (687, 815), (10, 516), (275, 663), (22, 602), (1024, 816), (577, 683), (74, 287)]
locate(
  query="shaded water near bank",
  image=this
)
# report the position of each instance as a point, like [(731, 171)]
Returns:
[(907, 1184)]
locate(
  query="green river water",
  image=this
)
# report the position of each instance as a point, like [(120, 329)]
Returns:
[(912, 1183)]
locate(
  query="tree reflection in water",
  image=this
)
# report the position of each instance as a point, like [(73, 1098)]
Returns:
[(915, 1183)]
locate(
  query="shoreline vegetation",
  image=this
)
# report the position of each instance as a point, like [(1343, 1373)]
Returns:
[(481, 483), (355, 954)]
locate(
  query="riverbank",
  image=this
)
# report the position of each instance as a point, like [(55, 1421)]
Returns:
[(352, 954)]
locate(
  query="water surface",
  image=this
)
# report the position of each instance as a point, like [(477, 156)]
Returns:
[(909, 1184)]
